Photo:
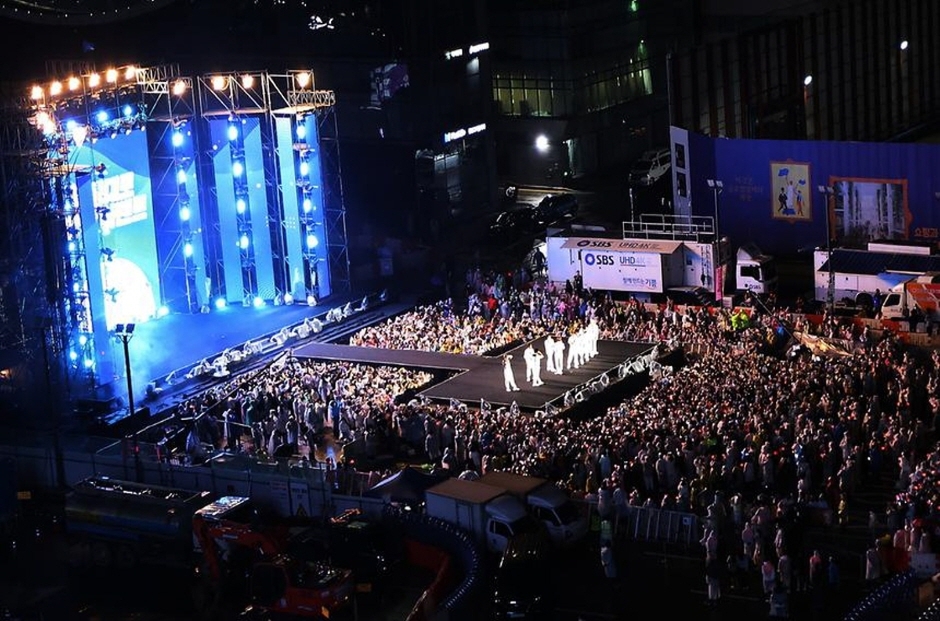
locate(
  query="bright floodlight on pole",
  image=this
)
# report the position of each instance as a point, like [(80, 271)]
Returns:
[(541, 143), (827, 192)]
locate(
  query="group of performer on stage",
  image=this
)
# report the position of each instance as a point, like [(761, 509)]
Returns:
[(581, 346)]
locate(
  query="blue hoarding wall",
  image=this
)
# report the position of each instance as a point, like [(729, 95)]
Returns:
[(771, 195)]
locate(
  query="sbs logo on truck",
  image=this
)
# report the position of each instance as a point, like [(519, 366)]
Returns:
[(594, 243), (598, 259)]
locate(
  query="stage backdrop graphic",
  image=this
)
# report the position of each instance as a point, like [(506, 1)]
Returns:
[(259, 278), (123, 231), (771, 195)]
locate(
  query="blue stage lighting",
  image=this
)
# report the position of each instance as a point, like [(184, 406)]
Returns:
[(163, 311), (73, 355), (181, 176), (75, 287), (301, 132), (220, 303), (257, 302), (244, 242), (89, 363), (240, 205), (128, 110), (177, 139), (71, 124), (237, 169), (308, 205), (187, 250), (103, 117), (312, 241), (83, 340), (71, 246), (304, 169), (233, 132), (185, 214)]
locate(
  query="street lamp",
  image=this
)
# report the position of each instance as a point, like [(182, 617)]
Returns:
[(827, 192), (125, 332)]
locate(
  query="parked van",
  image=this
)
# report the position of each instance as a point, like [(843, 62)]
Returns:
[(651, 166)]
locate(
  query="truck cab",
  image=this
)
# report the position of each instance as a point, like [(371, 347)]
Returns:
[(754, 271), (548, 504), (922, 291)]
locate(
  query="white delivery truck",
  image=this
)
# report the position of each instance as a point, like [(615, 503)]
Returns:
[(921, 291), (548, 504), (489, 513)]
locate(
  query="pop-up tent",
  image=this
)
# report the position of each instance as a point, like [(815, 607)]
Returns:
[(406, 485)]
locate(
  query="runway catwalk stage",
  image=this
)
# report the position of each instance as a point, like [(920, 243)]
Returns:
[(481, 377)]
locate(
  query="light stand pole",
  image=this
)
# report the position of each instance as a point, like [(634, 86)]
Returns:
[(717, 186), (826, 192), (125, 332)]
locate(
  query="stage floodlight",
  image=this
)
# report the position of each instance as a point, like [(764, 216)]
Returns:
[(102, 116), (304, 169), (110, 76), (177, 139), (288, 299), (308, 205), (244, 242), (71, 124), (807, 80), (179, 87), (89, 363), (55, 88), (238, 169), (303, 79), (73, 355), (185, 214), (74, 83), (36, 93), (219, 82), (83, 340), (904, 45), (311, 300), (240, 205), (301, 132), (94, 80), (72, 246), (312, 241), (187, 250), (130, 73), (233, 132), (128, 110), (163, 311), (220, 303), (257, 302), (541, 143), (181, 176), (248, 81)]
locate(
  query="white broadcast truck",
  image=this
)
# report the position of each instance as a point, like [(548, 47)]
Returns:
[(652, 269)]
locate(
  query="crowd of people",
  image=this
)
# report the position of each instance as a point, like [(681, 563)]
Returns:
[(758, 440)]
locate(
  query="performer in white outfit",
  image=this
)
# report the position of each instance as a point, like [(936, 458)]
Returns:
[(558, 365), (529, 356), (573, 348), (549, 354), (537, 369), (508, 375)]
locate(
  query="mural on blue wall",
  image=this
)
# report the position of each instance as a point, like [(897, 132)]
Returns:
[(791, 182), (870, 209)]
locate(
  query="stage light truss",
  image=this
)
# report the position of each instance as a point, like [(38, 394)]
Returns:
[(89, 104)]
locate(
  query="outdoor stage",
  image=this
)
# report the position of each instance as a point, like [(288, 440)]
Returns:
[(481, 377)]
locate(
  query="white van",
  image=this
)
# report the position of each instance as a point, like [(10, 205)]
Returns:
[(547, 503), (651, 166)]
